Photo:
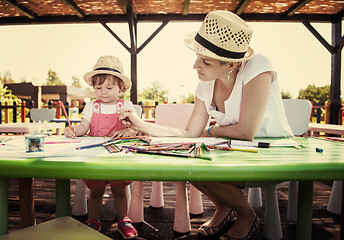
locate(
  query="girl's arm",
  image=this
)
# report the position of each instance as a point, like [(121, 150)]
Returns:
[(195, 126), (254, 100), (80, 130)]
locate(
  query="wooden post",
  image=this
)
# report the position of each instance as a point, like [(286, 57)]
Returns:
[(14, 111), (23, 115), (6, 112)]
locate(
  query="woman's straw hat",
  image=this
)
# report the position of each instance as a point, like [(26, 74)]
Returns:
[(223, 36), (108, 65)]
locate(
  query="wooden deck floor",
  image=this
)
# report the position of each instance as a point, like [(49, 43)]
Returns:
[(160, 221)]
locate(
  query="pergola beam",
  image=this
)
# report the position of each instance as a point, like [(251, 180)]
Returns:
[(319, 37), (336, 58), (28, 13), (186, 7), (74, 8), (241, 7), (162, 17), (297, 6), (152, 36)]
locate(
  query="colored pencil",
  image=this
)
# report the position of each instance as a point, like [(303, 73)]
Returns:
[(172, 154), (57, 142), (111, 130), (66, 115), (232, 149), (96, 144)]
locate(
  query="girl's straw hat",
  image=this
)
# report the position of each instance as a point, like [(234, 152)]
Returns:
[(108, 65), (223, 36)]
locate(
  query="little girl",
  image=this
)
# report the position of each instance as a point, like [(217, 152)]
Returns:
[(101, 118)]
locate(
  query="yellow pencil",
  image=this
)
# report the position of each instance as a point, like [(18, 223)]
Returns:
[(243, 150), (232, 149)]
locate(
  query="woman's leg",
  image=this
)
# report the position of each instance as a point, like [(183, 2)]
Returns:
[(121, 201), (95, 203), (221, 210), (229, 195)]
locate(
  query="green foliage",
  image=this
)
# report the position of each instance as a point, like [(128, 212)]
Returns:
[(285, 95), (53, 79), (315, 94), (125, 95), (6, 78), (188, 99), (7, 96), (154, 93), (76, 82)]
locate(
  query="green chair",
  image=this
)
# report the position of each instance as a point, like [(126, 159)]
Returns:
[(57, 229)]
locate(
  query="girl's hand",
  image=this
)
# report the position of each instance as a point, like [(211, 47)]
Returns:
[(126, 132), (69, 132)]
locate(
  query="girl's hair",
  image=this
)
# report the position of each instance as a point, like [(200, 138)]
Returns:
[(99, 79)]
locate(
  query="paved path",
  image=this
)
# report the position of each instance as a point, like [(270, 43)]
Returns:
[(160, 221)]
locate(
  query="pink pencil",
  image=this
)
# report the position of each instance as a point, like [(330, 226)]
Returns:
[(56, 142), (65, 113)]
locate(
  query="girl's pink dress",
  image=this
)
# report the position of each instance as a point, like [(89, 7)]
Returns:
[(100, 126)]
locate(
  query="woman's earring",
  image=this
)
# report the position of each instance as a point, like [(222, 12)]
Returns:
[(229, 73)]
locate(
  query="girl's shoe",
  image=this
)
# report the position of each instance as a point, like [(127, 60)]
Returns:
[(210, 231), (250, 235), (126, 228), (92, 223)]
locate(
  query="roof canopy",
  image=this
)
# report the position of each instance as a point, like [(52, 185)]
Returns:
[(74, 11)]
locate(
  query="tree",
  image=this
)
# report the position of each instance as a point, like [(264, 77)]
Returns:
[(53, 79), (6, 78), (154, 93), (315, 94), (285, 95), (76, 82), (188, 99)]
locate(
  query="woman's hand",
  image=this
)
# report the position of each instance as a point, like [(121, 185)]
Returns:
[(126, 132), (69, 132), (130, 119)]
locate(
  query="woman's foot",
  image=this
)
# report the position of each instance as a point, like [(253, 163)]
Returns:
[(207, 230), (244, 230)]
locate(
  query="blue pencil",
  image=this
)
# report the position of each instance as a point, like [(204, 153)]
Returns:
[(95, 145)]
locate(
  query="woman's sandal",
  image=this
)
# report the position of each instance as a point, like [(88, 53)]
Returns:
[(254, 229), (210, 231)]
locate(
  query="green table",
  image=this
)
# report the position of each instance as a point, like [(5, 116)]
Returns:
[(272, 164)]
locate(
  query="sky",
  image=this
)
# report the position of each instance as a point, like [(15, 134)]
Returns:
[(29, 51)]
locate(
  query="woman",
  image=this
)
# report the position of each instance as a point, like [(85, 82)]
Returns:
[(240, 90)]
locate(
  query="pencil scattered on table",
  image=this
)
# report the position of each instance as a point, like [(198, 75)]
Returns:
[(232, 149), (144, 145)]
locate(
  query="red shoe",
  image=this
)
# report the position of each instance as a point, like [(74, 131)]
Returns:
[(126, 228), (92, 223)]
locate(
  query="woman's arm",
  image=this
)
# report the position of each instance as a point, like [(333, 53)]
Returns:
[(254, 100), (195, 126)]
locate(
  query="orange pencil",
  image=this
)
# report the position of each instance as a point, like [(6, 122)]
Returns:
[(65, 113)]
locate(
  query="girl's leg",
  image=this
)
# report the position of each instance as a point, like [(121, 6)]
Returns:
[(121, 201), (125, 226), (230, 195), (95, 203)]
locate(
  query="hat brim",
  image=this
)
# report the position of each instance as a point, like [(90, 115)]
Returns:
[(88, 77), (191, 43)]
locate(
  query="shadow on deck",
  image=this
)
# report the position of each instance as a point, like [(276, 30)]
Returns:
[(158, 223)]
